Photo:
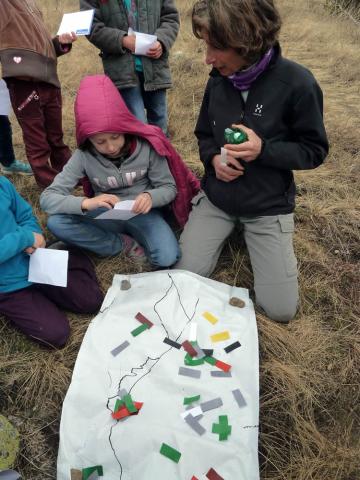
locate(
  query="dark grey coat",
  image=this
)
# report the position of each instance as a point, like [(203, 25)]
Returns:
[(156, 17)]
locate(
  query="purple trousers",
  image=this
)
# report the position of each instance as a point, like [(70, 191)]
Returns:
[(38, 109), (35, 310)]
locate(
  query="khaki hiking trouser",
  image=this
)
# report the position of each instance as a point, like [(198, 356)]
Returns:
[(270, 245)]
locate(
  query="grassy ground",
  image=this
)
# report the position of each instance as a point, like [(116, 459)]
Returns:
[(310, 369)]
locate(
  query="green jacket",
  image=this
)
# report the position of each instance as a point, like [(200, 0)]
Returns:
[(157, 17)]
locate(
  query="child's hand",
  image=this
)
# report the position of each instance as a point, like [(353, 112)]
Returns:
[(156, 51), (128, 42), (66, 38), (39, 242), (105, 200), (143, 203)]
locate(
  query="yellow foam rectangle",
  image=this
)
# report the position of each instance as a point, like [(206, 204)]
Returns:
[(210, 318), (219, 337)]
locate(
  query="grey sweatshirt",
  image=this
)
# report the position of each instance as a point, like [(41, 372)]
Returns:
[(143, 171)]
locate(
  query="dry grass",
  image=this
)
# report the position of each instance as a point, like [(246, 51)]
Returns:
[(309, 370)]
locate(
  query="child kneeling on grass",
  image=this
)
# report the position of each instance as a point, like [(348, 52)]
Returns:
[(124, 159), (33, 308)]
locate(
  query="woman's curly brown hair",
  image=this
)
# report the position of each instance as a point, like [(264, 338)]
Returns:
[(250, 27)]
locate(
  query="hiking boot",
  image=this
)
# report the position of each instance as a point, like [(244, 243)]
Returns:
[(17, 167), (132, 249)]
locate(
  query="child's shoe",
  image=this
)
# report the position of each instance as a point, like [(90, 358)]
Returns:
[(132, 249), (17, 167)]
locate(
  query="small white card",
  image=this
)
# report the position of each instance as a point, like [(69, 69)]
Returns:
[(78, 22), (223, 156), (121, 211), (143, 41), (49, 266)]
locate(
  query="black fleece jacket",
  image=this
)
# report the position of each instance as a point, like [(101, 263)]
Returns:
[(285, 109)]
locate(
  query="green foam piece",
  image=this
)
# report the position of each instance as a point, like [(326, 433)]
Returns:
[(86, 472), (129, 404), (170, 452), (193, 362), (210, 360), (139, 330), (189, 400), (223, 429), (118, 404)]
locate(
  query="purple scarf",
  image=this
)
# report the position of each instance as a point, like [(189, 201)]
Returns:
[(243, 79)]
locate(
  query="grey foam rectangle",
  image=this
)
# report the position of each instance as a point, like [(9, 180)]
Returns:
[(122, 392), (120, 348), (240, 400), (200, 353), (194, 424), (211, 404), (94, 476), (220, 373), (189, 372)]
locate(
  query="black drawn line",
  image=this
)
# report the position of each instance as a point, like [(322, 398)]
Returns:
[(155, 360)]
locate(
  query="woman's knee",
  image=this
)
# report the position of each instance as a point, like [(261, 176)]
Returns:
[(279, 302)]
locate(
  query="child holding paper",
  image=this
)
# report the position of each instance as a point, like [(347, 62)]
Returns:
[(124, 159), (34, 308), (28, 56), (142, 80)]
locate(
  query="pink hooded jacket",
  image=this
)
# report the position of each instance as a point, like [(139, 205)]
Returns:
[(99, 107)]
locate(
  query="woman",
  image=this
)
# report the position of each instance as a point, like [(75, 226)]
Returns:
[(278, 104)]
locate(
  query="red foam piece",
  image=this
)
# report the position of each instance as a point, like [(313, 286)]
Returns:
[(222, 365), (194, 478), (213, 475), (142, 319), (189, 348), (123, 412)]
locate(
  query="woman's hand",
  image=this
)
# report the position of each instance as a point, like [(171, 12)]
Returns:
[(39, 242), (155, 51), (249, 150), (66, 38), (228, 171), (105, 200), (143, 203)]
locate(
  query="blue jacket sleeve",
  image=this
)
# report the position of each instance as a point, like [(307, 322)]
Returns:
[(21, 237)]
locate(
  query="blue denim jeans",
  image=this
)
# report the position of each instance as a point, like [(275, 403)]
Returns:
[(103, 236), (6, 146), (154, 102)]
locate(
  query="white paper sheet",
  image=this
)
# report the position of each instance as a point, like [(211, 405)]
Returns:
[(148, 370), (78, 22), (143, 41), (49, 266), (121, 211), (5, 104)]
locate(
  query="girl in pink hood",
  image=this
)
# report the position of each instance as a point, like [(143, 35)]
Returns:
[(124, 159)]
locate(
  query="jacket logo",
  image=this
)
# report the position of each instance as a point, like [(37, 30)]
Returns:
[(258, 110), (17, 59)]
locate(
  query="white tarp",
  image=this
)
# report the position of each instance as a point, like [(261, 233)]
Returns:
[(148, 369)]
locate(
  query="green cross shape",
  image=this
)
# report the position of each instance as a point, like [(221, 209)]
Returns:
[(222, 428)]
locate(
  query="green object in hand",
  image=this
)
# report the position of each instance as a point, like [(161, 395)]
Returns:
[(235, 135)]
